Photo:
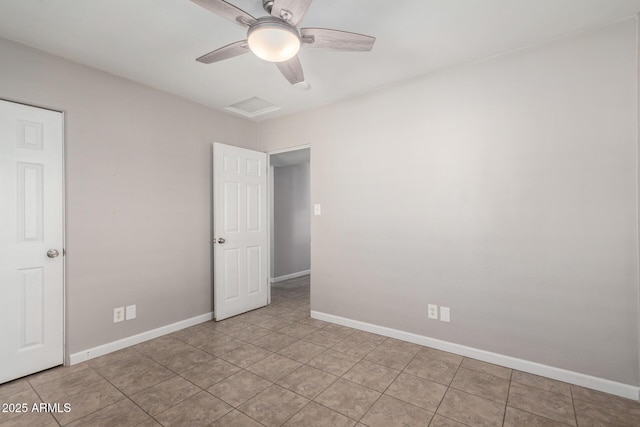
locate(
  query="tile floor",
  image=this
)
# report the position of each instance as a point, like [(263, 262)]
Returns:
[(277, 366)]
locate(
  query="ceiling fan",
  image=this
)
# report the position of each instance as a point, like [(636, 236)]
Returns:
[(276, 38)]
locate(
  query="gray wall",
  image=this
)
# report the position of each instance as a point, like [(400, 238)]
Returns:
[(138, 193), (291, 219), (505, 189)]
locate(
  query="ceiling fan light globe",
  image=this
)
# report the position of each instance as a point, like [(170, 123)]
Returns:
[(274, 43)]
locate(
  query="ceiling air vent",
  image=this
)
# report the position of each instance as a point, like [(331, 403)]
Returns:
[(252, 107)]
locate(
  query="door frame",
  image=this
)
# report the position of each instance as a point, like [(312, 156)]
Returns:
[(270, 207), (65, 353)]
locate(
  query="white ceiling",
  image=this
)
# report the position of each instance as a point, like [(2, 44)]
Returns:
[(155, 42)]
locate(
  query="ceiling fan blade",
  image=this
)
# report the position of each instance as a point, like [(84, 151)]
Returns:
[(291, 70), (297, 9), (336, 40), (226, 10), (226, 52)]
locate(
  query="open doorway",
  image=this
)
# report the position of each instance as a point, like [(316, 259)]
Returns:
[(290, 227)]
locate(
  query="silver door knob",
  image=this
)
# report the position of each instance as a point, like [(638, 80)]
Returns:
[(52, 253), (221, 240)]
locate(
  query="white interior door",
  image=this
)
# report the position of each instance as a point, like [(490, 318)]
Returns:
[(240, 272), (31, 238)]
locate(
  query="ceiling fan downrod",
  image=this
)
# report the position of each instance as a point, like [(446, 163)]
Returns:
[(267, 5)]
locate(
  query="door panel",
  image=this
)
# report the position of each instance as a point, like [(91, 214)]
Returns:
[(31, 223), (239, 218)]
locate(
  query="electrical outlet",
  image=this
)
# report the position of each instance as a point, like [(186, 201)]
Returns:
[(130, 312), (118, 314), (445, 314), (317, 209), (432, 311)]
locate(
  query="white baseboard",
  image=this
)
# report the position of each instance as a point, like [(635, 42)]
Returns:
[(101, 350), (290, 276), (576, 378)]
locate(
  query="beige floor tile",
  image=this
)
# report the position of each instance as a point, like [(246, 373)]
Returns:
[(26, 396), (469, 409), (389, 357), (517, 418), (186, 360), (314, 415), (302, 351), (353, 348), (221, 345), (100, 396), (349, 399), (298, 330), (388, 411), (274, 323), (122, 414), (487, 368), (324, 337), (130, 362), (541, 383), (55, 373), (236, 419), (131, 383), (196, 336), (30, 419), (291, 303), (150, 423), (399, 345), (161, 347), (431, 369), (313, 322), (13, 387), (228, 325), (246, 355), (250, 333), (620, 404), (201, 409), (209, 373), (164, 395), (115, 357), (296, 315), (255, 316), (481, 384), (444, 356), (334, 362), (589, 414), (239, 388), (276, 310), (68, 385), (273, 406), (440, 421), (546, 404), (372, 375), (417, 391), (274, 367), (307, 381), (275, 341), (367, 337)]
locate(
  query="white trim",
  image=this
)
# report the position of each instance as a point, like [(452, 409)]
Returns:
[(588, 381), (101, 350), (285, 150), (290, 276)]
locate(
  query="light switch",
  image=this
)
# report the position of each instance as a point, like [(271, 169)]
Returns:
[(317, 209), (445, 314)]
